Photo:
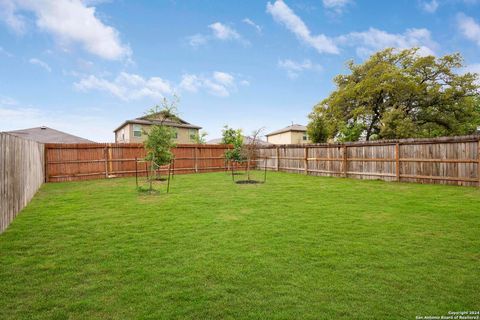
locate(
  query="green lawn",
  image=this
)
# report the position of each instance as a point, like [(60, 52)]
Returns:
[(297, 247)]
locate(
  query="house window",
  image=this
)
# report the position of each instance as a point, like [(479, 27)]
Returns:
[(137, 130), (175, 133), (305, 137), (193, 134)]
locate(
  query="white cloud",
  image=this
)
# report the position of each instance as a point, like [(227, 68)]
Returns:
[(127, 86), (224, 78), (224, 32), (9, 16), (95, 2), (40, 63), (372, 40), (70, 21), (430, 6), (253, 24), (197, 40), (294, 68), (190, 82), (366, 42), (219, 31), (469, 28), (284, 15), (220, 84), (336, 5)]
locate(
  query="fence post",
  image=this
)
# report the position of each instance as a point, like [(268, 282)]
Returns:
[(195, 159), (478, 164), (110, 157), (105, 155), (278, 158), (345, 164), (397, 161), (45, 158), (305, 161)]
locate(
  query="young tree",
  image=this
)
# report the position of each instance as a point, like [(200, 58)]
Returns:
[(160, 138), (249, 150), (235, 138), (400, 94)]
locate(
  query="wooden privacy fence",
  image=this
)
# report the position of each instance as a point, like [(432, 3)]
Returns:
[(71, 162), (21, 174), (450, 160)]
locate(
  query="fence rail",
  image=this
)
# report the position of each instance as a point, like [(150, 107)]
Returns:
[(450, 160), (21, 174), (72, 162)]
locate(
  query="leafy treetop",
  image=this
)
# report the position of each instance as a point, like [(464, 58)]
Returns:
[(235, 138), (399, 94), (160, 137)]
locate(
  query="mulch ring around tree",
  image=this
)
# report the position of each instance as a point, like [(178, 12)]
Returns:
[(249, 182)]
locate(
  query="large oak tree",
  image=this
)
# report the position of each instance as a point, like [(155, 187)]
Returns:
[(399, 94)]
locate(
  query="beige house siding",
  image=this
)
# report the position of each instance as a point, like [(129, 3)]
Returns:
[(289, 137), (125, 134)]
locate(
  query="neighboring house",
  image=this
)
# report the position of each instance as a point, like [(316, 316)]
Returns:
[(246, 140), (132, 131), (294, 134), (48, 135)]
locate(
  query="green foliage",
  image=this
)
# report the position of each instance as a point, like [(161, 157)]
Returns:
[(235, 138), (159, 142), (160, 138), (350, 132), (317, 128), (200, 138), (400, 94)]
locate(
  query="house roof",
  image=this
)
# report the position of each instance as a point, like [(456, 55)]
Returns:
[(293, 127), (48, 135), (245, 140), (158, 119)]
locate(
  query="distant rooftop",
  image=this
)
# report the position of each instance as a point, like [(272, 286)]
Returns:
[(159, 118), (293, 127), (48, 135), (245, 141)]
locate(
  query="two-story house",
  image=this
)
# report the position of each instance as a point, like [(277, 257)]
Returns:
[(294, 134), (133, 131)]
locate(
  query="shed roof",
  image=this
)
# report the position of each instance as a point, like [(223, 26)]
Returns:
[(48, 135)]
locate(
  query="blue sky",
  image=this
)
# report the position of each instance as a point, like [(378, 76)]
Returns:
[(86, 66)]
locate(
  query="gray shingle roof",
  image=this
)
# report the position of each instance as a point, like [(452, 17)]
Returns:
[(158, 120), (293, 127), (245, 140), (48, 135)]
